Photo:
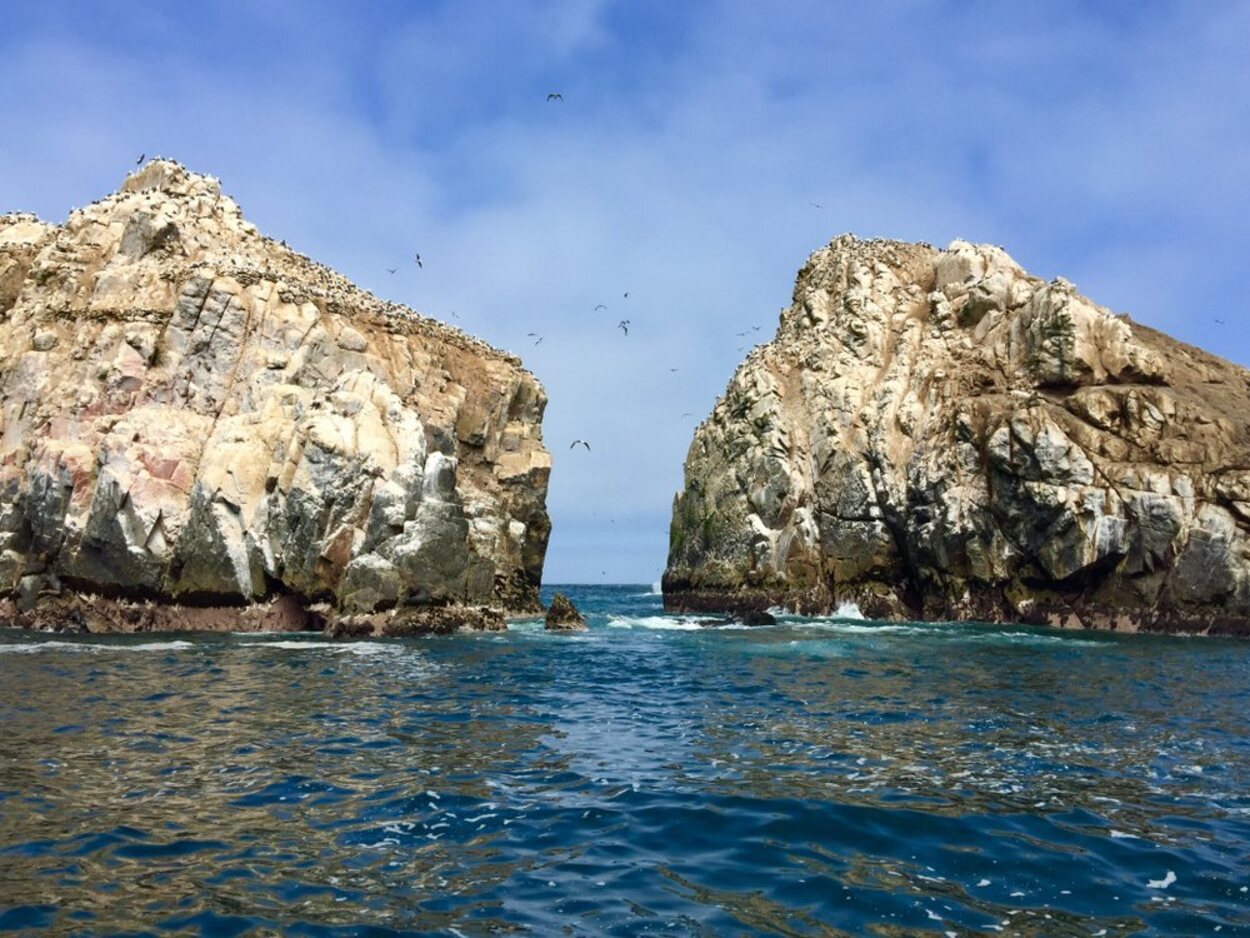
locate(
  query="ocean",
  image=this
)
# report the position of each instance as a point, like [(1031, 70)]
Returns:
[(646, 777)]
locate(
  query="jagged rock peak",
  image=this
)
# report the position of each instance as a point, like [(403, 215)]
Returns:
[(193, 412), (938, 434)]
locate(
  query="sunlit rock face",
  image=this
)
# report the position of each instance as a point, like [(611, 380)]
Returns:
[(194, 413), (936, 434)]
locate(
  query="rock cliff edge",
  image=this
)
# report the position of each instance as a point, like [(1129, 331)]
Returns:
[(936, 434), (193, 414)]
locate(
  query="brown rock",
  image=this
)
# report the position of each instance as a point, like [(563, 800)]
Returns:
[(412, 622), (562, 615)]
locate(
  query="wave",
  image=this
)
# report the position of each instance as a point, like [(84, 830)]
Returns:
[(663, 623), (32, 648), (952, 631), (363, 648)]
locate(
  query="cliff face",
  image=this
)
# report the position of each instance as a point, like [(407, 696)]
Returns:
[(193, 413), (938, 435)]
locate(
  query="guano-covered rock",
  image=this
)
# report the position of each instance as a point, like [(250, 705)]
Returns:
[(935, 434), (192, 413)]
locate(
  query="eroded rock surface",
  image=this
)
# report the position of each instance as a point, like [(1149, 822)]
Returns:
[(939, 435), (194, 414)]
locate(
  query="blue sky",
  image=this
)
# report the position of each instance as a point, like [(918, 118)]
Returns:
[(1106, 142)]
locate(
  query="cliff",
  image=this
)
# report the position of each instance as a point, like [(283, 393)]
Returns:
[(193, 414), (938, 435)]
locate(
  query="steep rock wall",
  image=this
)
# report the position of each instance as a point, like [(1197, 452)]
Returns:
[(938, 435), (193, 413)]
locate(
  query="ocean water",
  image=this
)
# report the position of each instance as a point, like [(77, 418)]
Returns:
[(647, 777)]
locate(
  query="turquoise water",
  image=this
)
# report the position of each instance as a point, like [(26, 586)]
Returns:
[(646, 777)]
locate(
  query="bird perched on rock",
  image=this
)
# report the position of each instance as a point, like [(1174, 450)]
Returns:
[(582, 442), (623, 325)]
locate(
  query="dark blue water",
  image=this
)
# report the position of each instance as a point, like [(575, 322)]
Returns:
[(646, 777)]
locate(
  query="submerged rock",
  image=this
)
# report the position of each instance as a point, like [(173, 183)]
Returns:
[(195, 414), (562, 615), (939, 435)]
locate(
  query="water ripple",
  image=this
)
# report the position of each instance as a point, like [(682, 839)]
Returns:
[(817, 777)]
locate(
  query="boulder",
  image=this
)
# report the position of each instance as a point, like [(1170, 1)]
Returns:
[(562, 615)]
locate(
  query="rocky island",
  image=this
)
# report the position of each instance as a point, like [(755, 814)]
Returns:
[(937, 435), (200, 427)]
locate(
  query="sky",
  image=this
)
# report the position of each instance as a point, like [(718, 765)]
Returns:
[(701, 151)]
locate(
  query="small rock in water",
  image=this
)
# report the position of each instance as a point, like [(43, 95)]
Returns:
[(756, 617), (562, 615)]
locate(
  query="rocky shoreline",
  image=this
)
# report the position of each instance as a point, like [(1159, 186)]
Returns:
[(101, 615)]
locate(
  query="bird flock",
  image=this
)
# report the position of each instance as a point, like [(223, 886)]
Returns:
[(554, 97)]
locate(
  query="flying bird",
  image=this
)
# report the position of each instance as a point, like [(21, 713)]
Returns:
[(815, 205), (1220, 321), (454, 314), (687, 414), (139, 161), (600, 306), (417, 258), (627, 294), (555, 96), (582, 442), (755, 328), (672, 369), (623, 325), (533, 335), (391, 270)]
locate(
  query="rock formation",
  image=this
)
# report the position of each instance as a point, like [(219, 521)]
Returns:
[(193, 414), (562, 615), (938, 435)]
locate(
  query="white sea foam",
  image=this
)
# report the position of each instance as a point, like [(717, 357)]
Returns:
[(847, 610), (670, 623), (362, 648), (1164, 883), (91, 647)]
